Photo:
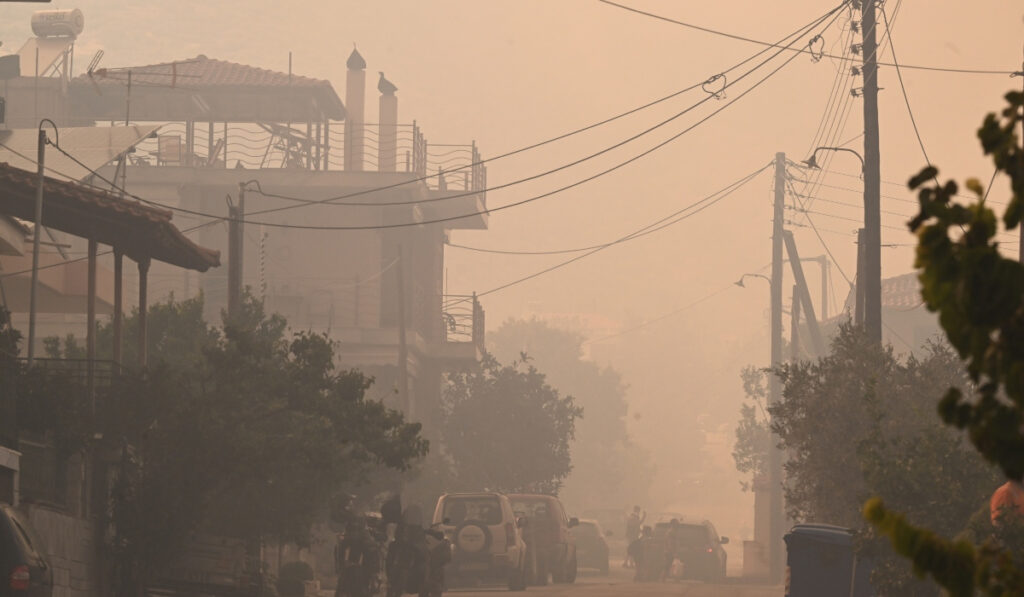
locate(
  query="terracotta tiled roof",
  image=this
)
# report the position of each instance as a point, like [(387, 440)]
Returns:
[(201, 72), (137, 229), (220, 84), (901, 292)]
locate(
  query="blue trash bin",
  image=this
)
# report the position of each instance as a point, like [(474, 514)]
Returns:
[(820, 562)]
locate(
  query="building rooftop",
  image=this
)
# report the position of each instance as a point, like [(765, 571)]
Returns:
[(139, 230)]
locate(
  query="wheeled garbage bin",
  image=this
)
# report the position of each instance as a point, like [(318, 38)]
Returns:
[(820, 562)]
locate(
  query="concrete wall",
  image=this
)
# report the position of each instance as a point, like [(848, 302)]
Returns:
[(71, 545)]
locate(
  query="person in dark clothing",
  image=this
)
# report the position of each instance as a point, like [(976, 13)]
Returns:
[(634, 524), (356, 562), (671, 548), (439, 554), (640, 551)]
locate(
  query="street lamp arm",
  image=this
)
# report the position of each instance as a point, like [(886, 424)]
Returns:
[(812, 162), (740, 281)]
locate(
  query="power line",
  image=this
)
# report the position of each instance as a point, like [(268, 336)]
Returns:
[(903, 88), (662, 317), (509, 205), (649, 229), (971, 71), (798, 34), (703, 204)]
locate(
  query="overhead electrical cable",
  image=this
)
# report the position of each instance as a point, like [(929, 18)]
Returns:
[(691, 210), (717, 94), (649, 229), (970, 71), (662, 317), (903, 88), (604, 172)]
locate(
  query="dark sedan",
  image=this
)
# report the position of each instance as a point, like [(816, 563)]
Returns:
[(591, 546)]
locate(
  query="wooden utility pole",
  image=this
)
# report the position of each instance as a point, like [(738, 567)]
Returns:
[(872, 278), (775, 506), (236, 246), (794, 325), (36, 232), (403, 349), (858, 310)]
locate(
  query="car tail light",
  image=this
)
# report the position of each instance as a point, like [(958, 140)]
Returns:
[(19, 578), (510, 534), (711, 550)]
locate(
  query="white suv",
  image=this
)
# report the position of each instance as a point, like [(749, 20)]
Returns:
[(487, 542)]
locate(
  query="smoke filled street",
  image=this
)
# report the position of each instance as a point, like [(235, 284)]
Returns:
[(578, 298)]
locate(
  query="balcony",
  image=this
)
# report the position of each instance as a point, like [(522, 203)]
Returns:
[(372, 148), (463, 322)]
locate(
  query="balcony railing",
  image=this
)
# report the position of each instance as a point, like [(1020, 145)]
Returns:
[(463, 319), (370, 147)]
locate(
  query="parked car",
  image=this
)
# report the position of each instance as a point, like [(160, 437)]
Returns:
[(486, 537), (26, 571), (699, 548), (591, 545), (550, 545)]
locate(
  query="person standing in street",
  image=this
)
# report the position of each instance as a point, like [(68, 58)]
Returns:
[(634, 524)]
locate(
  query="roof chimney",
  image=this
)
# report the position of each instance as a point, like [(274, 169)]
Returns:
[(355, 101), (388, 147)]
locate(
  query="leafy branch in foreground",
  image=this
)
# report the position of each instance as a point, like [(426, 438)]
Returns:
[(979, 296)]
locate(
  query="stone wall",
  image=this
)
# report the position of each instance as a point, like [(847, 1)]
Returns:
[(70, 543)]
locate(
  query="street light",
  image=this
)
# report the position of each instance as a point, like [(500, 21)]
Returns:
[(742, 285), (812, 161)]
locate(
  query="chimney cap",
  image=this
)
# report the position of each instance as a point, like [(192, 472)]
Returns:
[(355, 60)]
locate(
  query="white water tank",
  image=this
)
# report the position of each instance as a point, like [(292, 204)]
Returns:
[(58, 23)]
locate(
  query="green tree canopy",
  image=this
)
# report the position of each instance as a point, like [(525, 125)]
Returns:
[(856, 423), (506, 429), (608, 468)]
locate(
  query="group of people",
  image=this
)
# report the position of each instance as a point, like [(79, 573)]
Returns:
[(395, 547), (653, 557)]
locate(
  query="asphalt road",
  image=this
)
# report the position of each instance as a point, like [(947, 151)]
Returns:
[(619, 583)]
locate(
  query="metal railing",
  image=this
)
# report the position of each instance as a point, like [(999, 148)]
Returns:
[(336, 146), (462, 319)]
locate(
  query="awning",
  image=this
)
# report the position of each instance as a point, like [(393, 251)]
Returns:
[(138, 230), (92, 145)]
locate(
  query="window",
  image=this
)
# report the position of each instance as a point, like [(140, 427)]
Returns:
[(483, 509)]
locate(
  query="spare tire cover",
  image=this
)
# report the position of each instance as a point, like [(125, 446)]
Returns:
[(473, 537)]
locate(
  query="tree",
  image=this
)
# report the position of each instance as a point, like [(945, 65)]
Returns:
[(505, 429), (247, 430), (979, 296), (853, 424), (750, 452), (608, 468)]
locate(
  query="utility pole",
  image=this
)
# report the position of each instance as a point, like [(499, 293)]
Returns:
[(37, 230), (236, 245), (872, 279), (403, 349), (794, 325), (858, 310), (775, 507)]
